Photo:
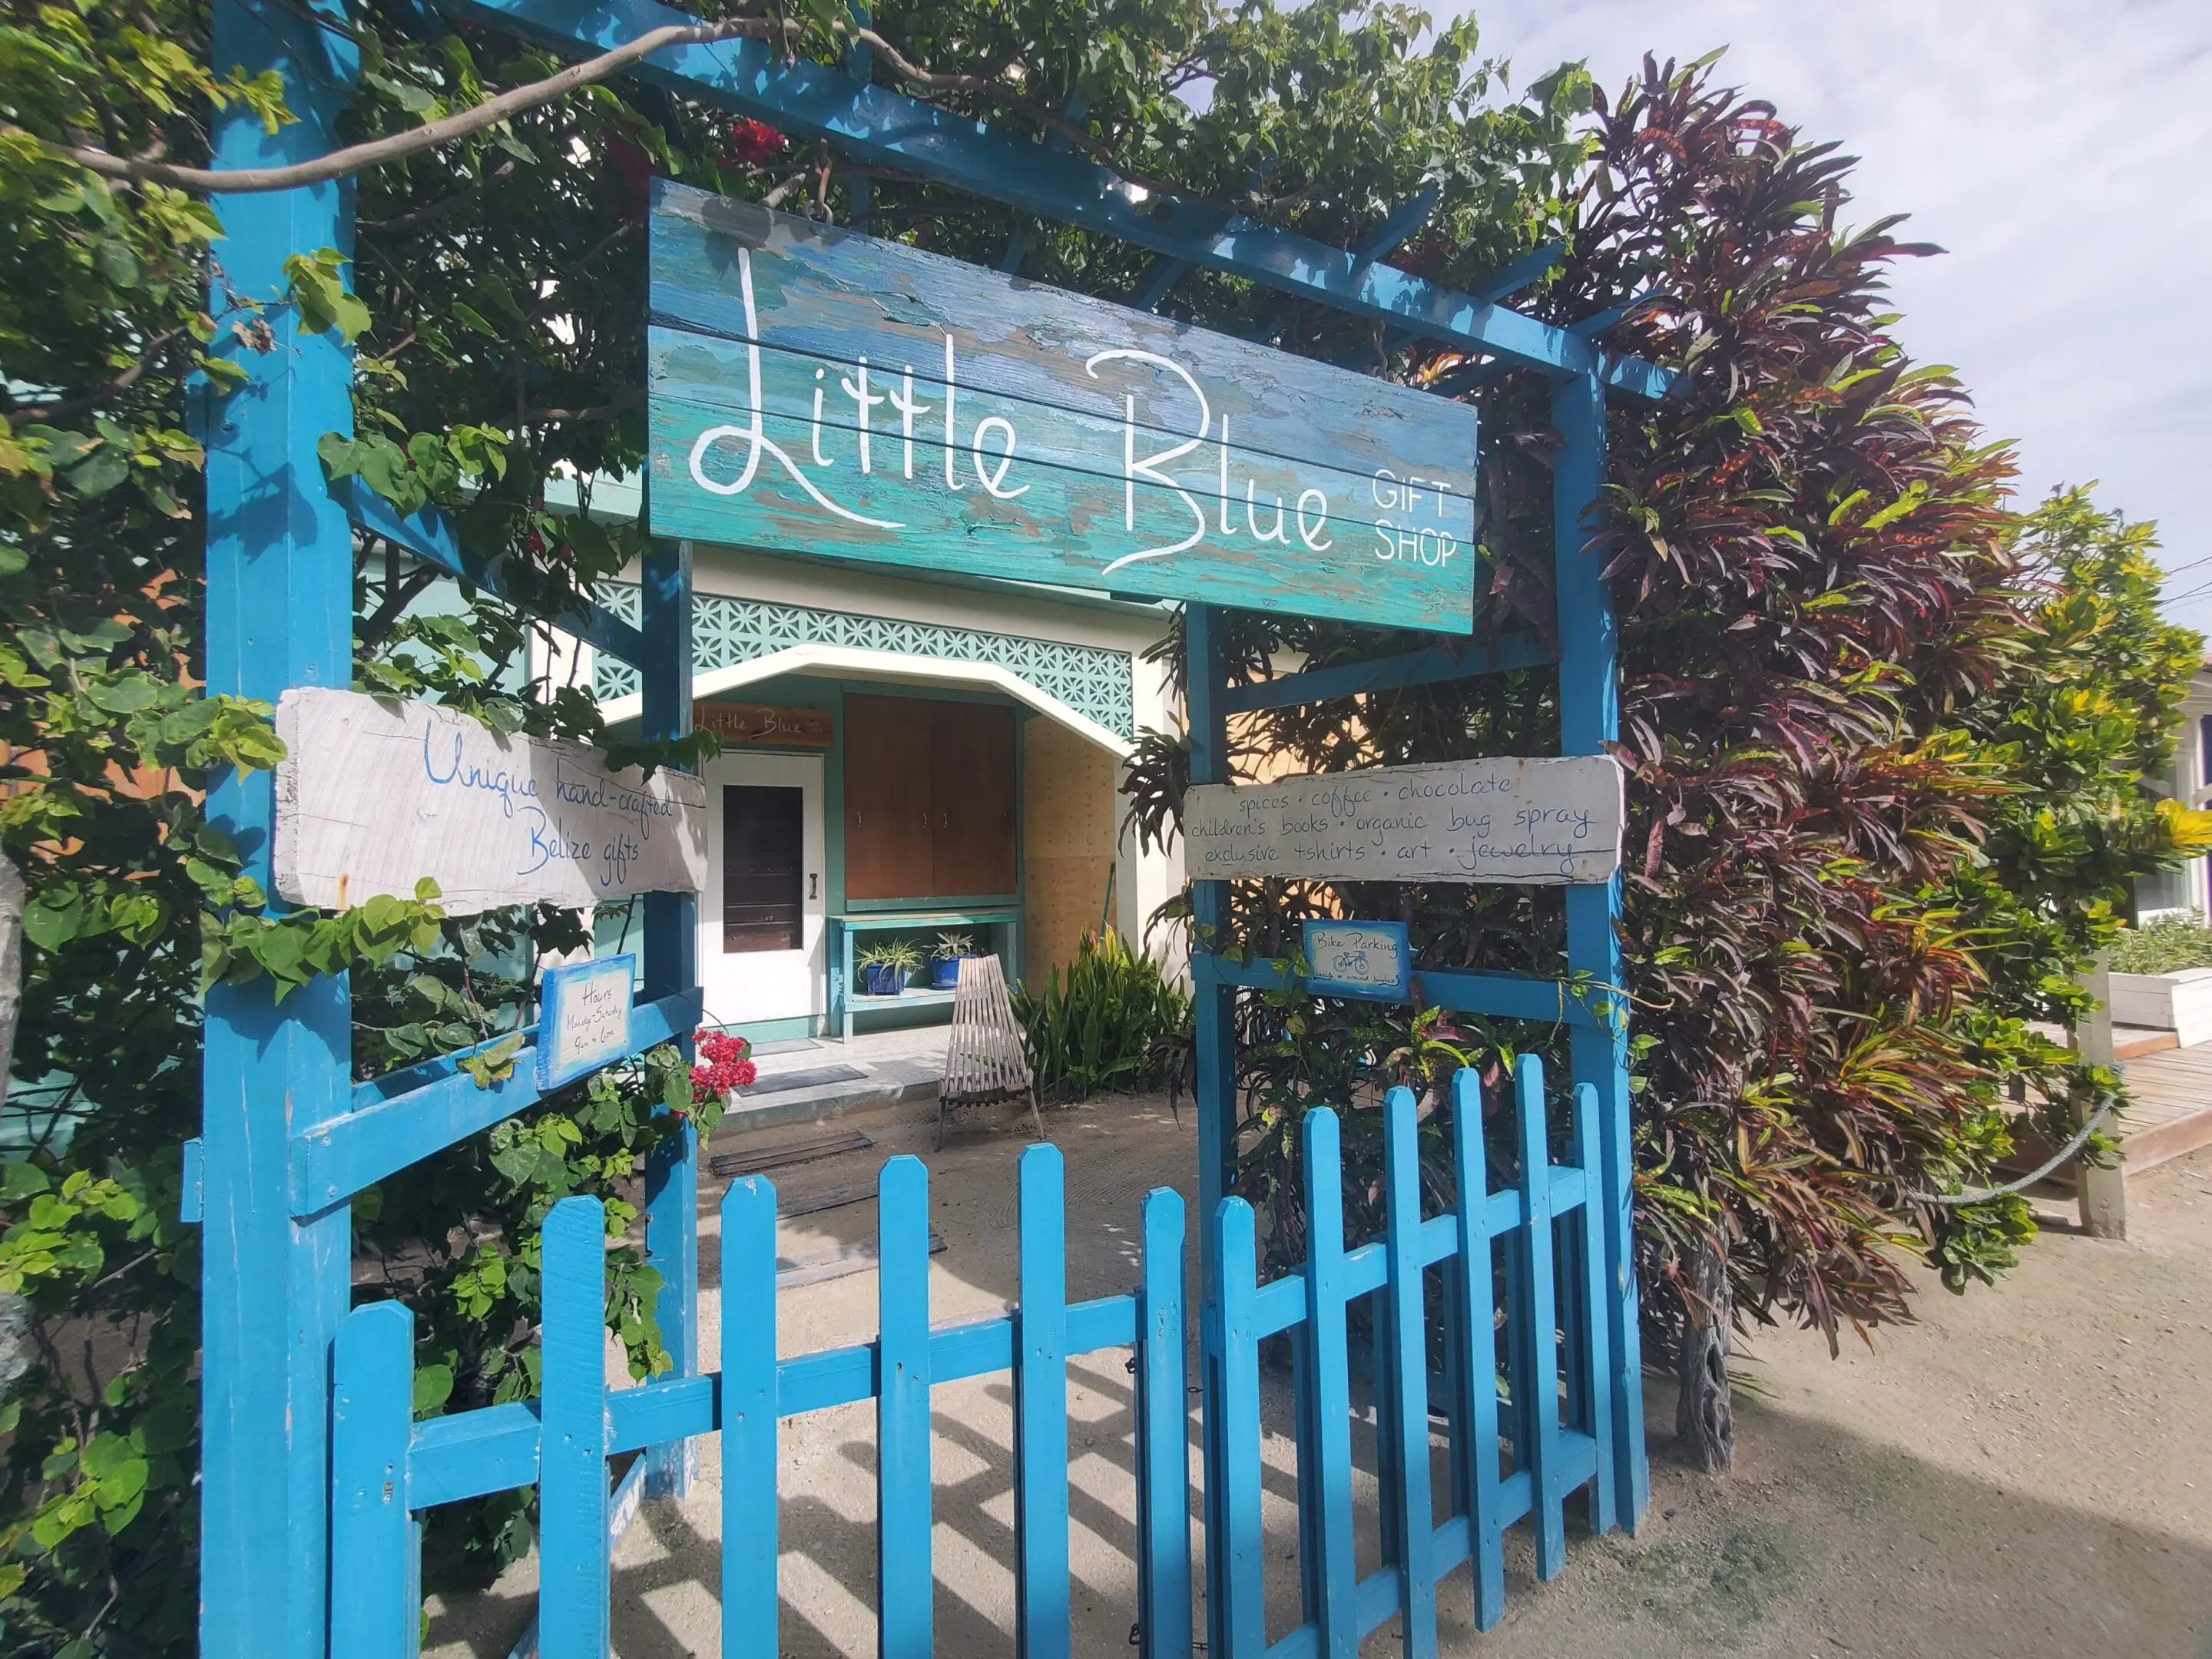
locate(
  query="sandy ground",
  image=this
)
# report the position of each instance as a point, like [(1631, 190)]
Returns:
[(2026, 1472)]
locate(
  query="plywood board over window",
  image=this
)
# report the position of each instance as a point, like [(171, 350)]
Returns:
[(929, 799)]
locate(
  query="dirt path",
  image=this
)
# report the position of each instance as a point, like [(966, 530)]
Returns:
[(2026, 1473)]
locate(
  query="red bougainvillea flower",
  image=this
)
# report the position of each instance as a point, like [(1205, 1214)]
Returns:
[(1425, 257), (722, 1066), (752, 143), (631, 165)]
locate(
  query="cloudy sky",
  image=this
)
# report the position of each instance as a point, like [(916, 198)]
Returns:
[(2060, 149)]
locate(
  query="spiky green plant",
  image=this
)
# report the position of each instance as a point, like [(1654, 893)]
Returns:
[(1115, 1022)]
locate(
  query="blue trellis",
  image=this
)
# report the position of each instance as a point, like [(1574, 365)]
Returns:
[(1095, 681), (289, 1139)]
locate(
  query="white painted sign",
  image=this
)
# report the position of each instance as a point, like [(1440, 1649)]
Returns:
[(583, 1018), (372, 796), (1539, 823)]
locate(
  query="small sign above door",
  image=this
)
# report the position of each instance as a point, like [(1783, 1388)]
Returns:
[(764, 723)]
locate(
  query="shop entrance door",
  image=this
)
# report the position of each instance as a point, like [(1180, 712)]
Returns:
[(760, 929)]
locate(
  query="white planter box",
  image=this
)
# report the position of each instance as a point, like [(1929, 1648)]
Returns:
[(2180, 1003)]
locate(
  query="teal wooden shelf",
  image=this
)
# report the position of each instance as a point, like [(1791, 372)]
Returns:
[(845, 1000)]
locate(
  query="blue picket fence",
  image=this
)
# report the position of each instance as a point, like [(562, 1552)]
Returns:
[(1516, 1358)]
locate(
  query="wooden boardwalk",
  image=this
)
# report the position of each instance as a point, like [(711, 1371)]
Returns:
[(2170, 1109)]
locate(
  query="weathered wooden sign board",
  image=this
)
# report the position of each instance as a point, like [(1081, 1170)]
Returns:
[(765, 723), (817, 391), (583, 1018), (1358, 958), (1539, 823), (372, 796)]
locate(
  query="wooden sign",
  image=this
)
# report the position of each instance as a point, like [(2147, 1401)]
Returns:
[(1358, 958), (583, 1018), (817, 391), (764, 723), (373, 795), (1539, 823)]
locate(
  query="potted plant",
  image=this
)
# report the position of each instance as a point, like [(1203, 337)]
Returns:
[(883, 967), (949, 951)]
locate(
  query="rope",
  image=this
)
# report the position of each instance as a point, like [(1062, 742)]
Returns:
[(2064, 1152)]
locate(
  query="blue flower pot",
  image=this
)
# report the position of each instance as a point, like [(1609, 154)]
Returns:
[(947, 977), (882, 981)]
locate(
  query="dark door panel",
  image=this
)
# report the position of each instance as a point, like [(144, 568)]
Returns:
[(763, 855)]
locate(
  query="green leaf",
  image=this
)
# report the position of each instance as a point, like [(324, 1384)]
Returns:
[(48, 926), (492, 1065), (433, 1386), (99, 473)]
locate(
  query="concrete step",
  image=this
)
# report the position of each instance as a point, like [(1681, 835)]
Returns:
[(887, 1080)]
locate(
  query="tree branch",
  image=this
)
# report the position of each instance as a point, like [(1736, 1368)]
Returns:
[(621, 405), (400, 145), (372, 632), (440, 209), (149, 355)]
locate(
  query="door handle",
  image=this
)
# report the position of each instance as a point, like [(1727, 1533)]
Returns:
[(811, 878)]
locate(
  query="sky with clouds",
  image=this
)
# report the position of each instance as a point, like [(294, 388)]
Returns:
[(2057, 149)]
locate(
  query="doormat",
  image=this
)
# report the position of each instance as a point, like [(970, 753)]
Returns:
[(784, 1081), (795, 1151), (785, 1046)]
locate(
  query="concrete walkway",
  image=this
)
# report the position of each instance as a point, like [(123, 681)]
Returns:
[(2023, 1473)]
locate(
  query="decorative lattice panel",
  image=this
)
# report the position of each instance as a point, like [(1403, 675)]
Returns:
[(1093, 681)]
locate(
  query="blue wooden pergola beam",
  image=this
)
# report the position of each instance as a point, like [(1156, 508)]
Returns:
[(427, 535), (332, 1160), (1152, 287), (891, 130), (1597, 322), (1428, 667), (1400, 222), (1496, 996), (1511, 278)]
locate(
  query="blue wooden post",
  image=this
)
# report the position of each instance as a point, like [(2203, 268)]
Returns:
[(1041, 1630), (376, 1594), (279, 614), (1536, 1385), (670, 933), (1595, 1348), (572, 1459), (1236, 1549), (1213, 1030), (1408, 1416), (1590, 718), (904, 1585), (1478, 1370), (749, 1420), (1327, 1379), (1163, 1438)]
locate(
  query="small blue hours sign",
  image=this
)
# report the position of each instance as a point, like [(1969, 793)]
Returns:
[(814, 391), (583, 1018)]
